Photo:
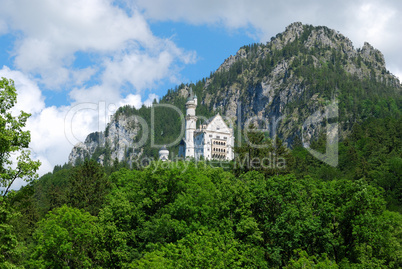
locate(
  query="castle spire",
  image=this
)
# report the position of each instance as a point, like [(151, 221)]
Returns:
[(191, 121), (190, 95)]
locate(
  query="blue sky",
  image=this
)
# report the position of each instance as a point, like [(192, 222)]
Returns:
[(66, 53), (209, 55), (212, 45)]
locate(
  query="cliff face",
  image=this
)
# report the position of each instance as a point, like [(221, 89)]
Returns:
[(299, 72), (282, 83), (116, 142)]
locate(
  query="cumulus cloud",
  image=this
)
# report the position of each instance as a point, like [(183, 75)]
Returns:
[(46, 124), (122, 50), (151, 98), (55, 130), (96, 93), (139, 69), (30, 97), (61, 27), (131, 99), (53, 31)]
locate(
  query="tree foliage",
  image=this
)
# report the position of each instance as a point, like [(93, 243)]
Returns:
[(305, 214), (66, 238), (87, 187), (14, 140)]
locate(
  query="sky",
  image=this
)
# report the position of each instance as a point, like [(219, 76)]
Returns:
[(74, 62)]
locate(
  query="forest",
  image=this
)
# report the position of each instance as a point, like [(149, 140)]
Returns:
[(189, 214), (301, 213)]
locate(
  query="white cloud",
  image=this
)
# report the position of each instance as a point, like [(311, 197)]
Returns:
[(48, 36), (45, 124), (48, 139), (53, 31), (29, 98), (82, 75), (131, 99), (151, 99), (54, 130), (95, 94), (141, 70), (3, 27)]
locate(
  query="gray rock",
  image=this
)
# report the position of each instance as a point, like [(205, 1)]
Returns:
[(118, 139)]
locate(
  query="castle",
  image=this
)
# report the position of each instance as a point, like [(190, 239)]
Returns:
[(213, 140)]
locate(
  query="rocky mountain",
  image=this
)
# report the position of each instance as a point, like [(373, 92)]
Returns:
[(279, 85), (116, 142)]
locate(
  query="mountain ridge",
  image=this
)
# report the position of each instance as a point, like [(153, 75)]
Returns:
[(289, 78)]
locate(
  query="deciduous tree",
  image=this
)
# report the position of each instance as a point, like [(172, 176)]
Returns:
[(14, 140)]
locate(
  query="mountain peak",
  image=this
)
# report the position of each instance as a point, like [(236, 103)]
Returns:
[(285, 80), (369, 53), (320, 42), (293, 31)]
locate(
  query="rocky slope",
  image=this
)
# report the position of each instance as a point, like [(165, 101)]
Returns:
[(116, 142), (283, 82), (299, 72)]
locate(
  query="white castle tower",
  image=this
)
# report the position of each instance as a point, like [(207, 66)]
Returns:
[(213, 140), (191, 120), (164, 154)]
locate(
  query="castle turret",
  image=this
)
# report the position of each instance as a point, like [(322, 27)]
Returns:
[(164, 154), (191, 120)]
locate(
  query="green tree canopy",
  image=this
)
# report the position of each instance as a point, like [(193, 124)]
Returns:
[(88, 185), (66, 238), (13, 140)]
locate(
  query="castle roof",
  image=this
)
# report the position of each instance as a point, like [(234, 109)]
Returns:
[(164, 147), (208, 121), (217, 118)]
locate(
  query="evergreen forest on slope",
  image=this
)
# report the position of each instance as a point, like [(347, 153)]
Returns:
[(210, 214)]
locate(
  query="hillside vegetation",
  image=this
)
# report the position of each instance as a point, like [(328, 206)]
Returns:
[(288, 79), (107, 209)]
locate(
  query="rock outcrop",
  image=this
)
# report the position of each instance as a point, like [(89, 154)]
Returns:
[(283, 82), (117, 142)]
